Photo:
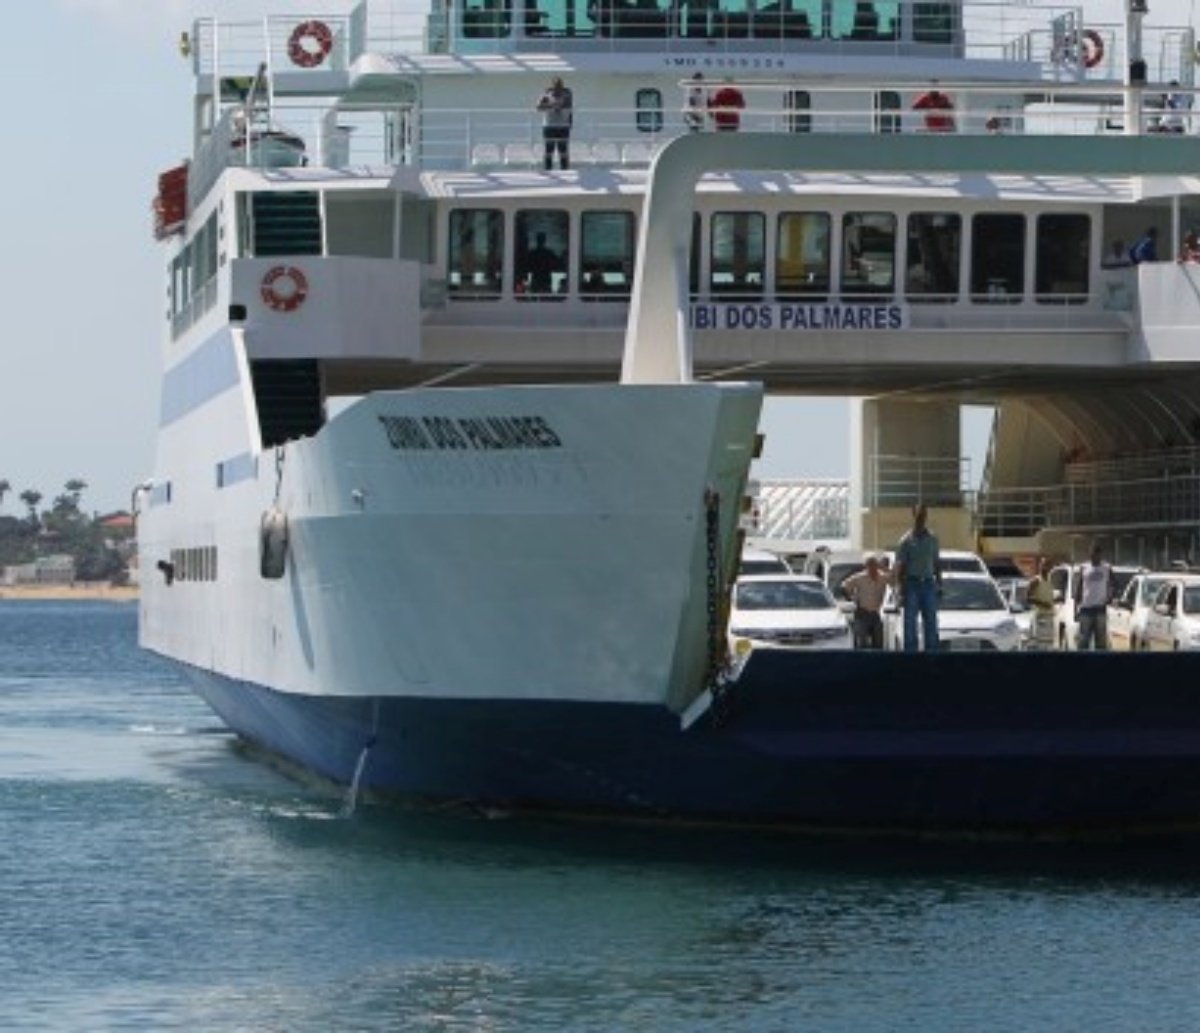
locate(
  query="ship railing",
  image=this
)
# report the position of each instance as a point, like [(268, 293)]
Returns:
[(799, 510), (900, 480), (1043, 36), (372, 136)]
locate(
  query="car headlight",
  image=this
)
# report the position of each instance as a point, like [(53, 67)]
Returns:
[(1007, 627)]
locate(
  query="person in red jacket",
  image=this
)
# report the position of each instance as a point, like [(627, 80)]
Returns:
[(939, 111), (725, 106)]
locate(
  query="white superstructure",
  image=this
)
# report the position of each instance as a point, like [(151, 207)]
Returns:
[(439, 422)]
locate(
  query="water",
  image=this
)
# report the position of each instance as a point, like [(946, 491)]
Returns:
[(155, 877)]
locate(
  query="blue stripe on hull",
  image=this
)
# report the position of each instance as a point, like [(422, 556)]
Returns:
[(942, 742)]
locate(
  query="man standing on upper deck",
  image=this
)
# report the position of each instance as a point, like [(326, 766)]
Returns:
[(556, 106), (938, 109), (919, 581)]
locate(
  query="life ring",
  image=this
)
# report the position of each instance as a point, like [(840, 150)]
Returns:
[(284, 288), (1093, 48), (310, 43)]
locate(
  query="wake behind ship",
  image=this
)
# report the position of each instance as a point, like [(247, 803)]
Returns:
[(435, 508)]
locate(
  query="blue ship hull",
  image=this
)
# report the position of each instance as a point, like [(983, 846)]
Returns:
[(1029, 743)]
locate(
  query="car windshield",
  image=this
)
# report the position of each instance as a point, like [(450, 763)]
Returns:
[(1191, 599), (962, 564), (1121, 578), (763, 566), (970, 595), (1149, 589), (782, 595)]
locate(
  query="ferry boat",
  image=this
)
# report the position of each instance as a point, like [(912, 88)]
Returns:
[(455, 436)]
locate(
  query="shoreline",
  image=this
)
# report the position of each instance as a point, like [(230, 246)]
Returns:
[(66, 593)]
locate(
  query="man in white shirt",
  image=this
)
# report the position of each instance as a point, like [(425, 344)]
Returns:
[(1095, 593)]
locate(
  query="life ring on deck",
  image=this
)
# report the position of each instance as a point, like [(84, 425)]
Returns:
[(310, 43), (1093, 48), (284, 288)]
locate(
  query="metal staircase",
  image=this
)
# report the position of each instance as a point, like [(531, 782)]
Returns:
[(286, 224), (288, 395)]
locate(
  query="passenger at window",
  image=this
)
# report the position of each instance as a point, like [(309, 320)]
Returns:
[(725, 106), (540, 265), (938, 110), (1176, 105), (556, 106), (1146, 249)]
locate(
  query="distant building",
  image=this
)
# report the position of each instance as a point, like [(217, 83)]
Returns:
[(46, 570)]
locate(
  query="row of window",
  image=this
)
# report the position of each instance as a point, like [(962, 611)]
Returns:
[(926, 256), (856, 20)]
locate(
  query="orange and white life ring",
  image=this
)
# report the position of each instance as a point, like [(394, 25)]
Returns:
[(284, 288), (1093, 48), (310, 43)]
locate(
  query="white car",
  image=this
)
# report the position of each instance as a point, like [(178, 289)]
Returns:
[(972, 615), (1127, 613), (1173, 623), (792, 611), (1015, 592), (1064, 580), (759, 561)]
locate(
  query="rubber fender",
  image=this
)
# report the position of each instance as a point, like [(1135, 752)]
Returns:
[(273, 544)]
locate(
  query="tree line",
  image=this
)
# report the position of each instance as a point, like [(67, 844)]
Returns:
[(63, 529)]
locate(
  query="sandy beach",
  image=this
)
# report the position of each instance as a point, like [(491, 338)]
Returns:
[(128, 593)]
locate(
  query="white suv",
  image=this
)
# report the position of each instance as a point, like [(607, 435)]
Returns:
[(972, 615)]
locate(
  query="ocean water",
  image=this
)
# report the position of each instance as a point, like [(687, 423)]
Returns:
[(153, 876)]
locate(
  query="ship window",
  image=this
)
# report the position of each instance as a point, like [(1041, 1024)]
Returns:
[(997, 258), (1063, 252), (607, 247), (868, 253), (541, 242), (737, 253), (649, 105), (934, 247), (475, 252), (802, 255), (934, 23), (642, 20), (781, 19), (486, 19), (887, 111), (863, 21), (797, 104)]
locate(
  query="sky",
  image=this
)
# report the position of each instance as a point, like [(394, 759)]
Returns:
[(102, 106)]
